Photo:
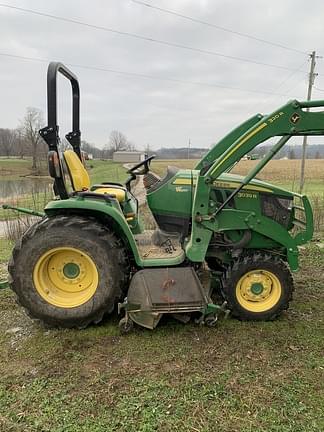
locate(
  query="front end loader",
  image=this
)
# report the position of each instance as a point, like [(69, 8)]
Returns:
[(218, 235)]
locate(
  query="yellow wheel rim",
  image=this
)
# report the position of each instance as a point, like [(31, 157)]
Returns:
[(258, 290), (65, 277)]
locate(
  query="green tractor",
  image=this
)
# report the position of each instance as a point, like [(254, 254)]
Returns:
[(218, 235)]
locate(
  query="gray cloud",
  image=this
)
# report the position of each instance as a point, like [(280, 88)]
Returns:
[(161, 113)]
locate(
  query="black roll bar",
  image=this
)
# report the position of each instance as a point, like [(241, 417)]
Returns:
[(50, 132)]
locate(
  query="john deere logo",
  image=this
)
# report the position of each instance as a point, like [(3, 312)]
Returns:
[(295, 118)]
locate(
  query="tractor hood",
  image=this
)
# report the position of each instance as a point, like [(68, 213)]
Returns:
[(230, 181)]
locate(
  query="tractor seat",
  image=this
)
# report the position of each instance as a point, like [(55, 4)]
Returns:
[(80, 179)]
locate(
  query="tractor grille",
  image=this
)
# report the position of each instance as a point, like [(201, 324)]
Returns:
[(276, 208)]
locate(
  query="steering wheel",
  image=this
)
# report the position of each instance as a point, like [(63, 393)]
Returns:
[(134, 171), (145, 170)]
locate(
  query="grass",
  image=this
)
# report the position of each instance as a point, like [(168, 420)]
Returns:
[(5, 250), (14, 168), (105, 171), (264, 377), (98, 171)]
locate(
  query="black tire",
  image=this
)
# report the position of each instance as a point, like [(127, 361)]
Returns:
[(85, 235), (272, 265), (126, 326)]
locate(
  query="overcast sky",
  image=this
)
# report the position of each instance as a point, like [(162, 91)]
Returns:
[(157, 112)]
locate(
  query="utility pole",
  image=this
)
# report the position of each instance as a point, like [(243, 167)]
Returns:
[(189, 149), (311, 79)]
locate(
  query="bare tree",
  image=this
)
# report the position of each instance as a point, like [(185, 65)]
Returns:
[(117, 141), (92, 149), (7, 142), (21, 144), (32, 122)]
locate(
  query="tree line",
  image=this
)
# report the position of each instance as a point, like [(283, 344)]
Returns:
[(25, 141)]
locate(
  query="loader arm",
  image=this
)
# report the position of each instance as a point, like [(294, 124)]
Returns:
[(290, 120), (218, 149)]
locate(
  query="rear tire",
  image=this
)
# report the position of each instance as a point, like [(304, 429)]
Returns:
[(258, 287), (68, 271)]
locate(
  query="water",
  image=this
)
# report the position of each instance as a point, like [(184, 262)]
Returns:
[(24, 186)]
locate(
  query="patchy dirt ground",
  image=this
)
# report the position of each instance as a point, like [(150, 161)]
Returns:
[(236, 377)]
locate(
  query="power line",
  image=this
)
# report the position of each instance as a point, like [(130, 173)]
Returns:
[(291, 75), (148, 39), (245, 35), (139, 75), (283, 82), (291, 88), (316, 88)]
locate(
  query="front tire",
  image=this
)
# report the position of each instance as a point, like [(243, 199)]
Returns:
[(68, 271), (258, 287)]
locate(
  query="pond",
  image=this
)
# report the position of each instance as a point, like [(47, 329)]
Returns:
[(24, 186)]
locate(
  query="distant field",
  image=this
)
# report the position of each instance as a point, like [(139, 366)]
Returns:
[(13, 168), (106, 170), (282, 172), (99, 170)]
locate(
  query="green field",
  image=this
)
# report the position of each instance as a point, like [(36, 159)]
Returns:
[(106, 170), (99, 170), (14, 169)]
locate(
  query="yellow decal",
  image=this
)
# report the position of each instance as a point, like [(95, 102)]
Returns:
[(234, 185), (184, 181), (221, 185)]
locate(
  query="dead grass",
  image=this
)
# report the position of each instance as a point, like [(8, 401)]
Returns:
[(285, 170)]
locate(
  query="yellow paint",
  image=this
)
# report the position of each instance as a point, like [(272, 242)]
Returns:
[(240, 143), (225, 185), (79, 175), (234, 185), (184, 181), (120, 194), (62, 291), (264, 301)]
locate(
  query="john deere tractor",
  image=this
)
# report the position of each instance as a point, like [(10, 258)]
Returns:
[(218, 235)]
